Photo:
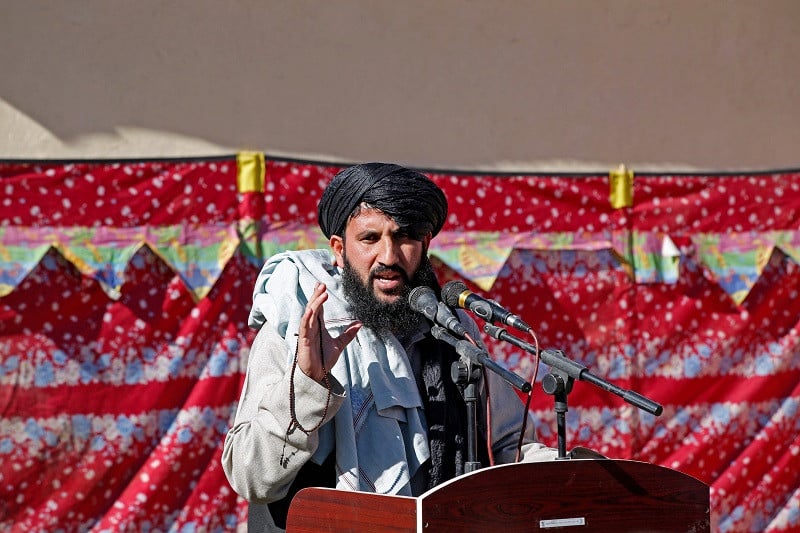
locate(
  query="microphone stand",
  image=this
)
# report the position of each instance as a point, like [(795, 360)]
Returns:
[(561, 378), (465, 373)]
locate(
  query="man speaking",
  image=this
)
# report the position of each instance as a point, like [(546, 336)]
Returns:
[(346, 387)]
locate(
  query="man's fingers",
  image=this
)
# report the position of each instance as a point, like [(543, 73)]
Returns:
[(314, 309), (347, 336), (312, 331)]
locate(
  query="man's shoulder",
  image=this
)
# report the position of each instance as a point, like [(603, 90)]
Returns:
[(314, 255), (314, 263), (282, 275)]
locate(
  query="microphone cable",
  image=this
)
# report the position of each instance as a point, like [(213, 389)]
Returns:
[(526, 413)]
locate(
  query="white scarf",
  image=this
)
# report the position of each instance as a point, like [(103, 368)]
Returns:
[(379, 435)]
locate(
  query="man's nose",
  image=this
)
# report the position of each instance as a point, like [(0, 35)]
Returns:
[(389, 253)]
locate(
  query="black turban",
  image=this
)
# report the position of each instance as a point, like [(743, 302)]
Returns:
[(410, 198)]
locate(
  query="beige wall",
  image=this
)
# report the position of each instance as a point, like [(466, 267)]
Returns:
[(440, 83)]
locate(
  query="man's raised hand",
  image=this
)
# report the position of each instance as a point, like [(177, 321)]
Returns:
[(317, 351)]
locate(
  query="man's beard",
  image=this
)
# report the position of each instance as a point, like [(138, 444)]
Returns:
[(396, 317)]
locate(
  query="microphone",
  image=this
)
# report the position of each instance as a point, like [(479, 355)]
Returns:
[(479, 356), (456, 294), (423, 300)]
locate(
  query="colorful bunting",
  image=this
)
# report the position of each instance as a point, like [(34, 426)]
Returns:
[(125, 288)]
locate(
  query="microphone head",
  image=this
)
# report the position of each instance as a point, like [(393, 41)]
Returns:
[(422, 299), (451, 291)]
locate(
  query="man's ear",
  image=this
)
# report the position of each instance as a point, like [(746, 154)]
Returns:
[(337, 245)]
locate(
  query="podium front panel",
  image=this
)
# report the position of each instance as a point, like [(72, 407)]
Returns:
[(570, 495), (560, 496)]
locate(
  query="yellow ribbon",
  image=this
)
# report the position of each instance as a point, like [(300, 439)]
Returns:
[(251, 170), (621, 187)]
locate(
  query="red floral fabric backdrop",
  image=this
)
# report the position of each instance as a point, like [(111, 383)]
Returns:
[(125, 288)]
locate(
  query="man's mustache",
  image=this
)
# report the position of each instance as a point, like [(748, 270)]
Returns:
[(383, 269)]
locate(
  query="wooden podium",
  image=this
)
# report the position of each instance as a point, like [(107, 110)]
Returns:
[(574, 495)]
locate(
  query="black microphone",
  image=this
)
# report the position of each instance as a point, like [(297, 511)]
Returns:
[(423, 300), (457, 294), (480, 356)]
